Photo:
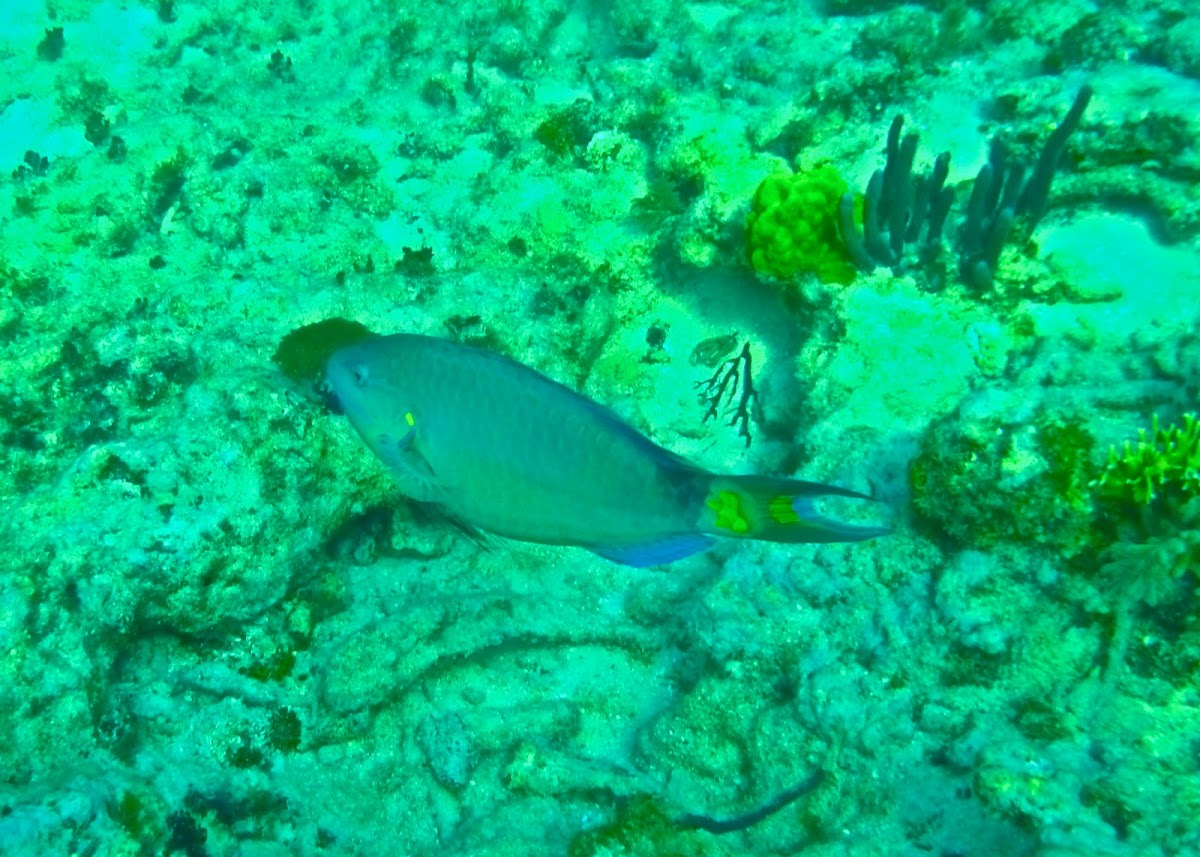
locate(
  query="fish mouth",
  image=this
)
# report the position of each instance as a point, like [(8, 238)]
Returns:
[(327, 390), (329, 398)]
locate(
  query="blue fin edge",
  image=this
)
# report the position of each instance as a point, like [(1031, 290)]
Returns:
[(658, 552)]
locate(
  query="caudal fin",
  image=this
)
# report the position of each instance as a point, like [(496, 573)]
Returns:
[(780, 510)]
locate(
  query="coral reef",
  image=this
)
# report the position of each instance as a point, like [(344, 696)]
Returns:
[(222, 630)]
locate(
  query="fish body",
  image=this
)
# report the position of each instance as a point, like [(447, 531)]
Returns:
[(503, 448)]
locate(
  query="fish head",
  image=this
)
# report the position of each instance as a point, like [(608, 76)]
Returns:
[(372, 383), (365, 388)]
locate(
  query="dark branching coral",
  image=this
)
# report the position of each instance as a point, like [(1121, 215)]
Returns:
[(901, 210), (723, 387)]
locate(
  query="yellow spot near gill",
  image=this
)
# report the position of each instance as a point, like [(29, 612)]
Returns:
[(782, 511), (728, 508), (408, 418)]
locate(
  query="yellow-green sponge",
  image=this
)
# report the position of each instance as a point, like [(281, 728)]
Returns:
[(792, 226)]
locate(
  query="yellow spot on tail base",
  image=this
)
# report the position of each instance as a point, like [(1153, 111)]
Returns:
[(410, 419), (728, 508), (782, 511)]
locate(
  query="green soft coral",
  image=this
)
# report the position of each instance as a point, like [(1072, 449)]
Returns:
[(792, 226), (1163, 460)]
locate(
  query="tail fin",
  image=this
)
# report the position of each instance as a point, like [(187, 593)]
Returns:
[(778, 510)]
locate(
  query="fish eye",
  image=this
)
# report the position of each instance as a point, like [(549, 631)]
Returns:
[(359, 371)]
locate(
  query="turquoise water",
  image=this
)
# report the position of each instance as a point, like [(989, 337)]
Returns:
[(223, 632)]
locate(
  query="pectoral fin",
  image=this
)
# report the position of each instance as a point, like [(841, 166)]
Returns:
[(412, 472)]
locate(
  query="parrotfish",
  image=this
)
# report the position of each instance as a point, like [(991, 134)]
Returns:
[(504, 449)]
